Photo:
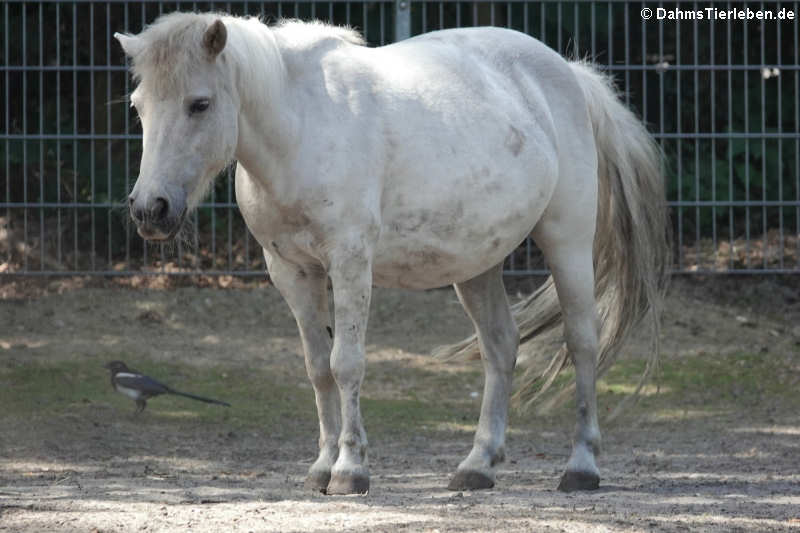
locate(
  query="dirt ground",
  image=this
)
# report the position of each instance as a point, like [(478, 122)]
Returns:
[(716, 449)]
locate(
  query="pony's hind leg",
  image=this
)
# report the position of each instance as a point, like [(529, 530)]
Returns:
[(484, 299), (569, 255), (305, 290)]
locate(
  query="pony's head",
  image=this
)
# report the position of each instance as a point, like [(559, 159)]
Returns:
[(188, 109)]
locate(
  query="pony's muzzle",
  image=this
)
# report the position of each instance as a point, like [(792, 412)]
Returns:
[(155, 217), (156, 210)]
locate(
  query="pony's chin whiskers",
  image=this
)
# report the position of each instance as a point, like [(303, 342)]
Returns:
[(184, 238)]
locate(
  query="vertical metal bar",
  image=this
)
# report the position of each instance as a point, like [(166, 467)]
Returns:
[(661, 96), (696, 90), (627, 91), (559, 17), (441, 15), (382, 22), (110, 194), (365, 19), (644, 71), (127, 154), (92, 132), (576, 44), (594, 31), (229, 178), (145, 246), (382, 9), (713, 101), (610, 46), (213, 226), (797, 141), (161, 247), (196, 236), (525, 16), (746, 150), (25, 132), (75, 130), (424, 6), (764, 228), (731, 224), (782, 252), (678, 105), (542, 25), (402, 20), (41, 141), (7, 125), (58, 132)]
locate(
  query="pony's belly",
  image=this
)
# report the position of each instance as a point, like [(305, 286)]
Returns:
[(428, 257), (429, 268)]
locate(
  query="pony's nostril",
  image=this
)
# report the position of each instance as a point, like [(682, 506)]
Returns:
[(137, 213), (160, 209)]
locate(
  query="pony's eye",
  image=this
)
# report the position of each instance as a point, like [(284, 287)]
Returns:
[(198, 106)]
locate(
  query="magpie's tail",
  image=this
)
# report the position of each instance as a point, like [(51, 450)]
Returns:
[(198, 398)]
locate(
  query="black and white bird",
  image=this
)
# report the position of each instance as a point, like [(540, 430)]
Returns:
[(141, 388)]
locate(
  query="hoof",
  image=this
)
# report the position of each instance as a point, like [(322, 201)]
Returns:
[(348, 484), (318, 481), (572, 481), (470, 480)]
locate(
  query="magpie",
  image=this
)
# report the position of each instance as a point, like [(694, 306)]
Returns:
[(141, 388)]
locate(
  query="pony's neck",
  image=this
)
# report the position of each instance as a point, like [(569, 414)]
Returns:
[(267, 125)]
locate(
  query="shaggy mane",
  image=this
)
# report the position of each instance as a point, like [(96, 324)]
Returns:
[(173, 44), (310, 33), (169, 47)]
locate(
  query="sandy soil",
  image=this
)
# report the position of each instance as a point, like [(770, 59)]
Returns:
[(95, 467)]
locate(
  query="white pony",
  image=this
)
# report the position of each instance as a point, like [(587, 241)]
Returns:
[(418, 164)]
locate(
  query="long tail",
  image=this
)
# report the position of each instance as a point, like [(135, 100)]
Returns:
[(631, 246), (198, 398)]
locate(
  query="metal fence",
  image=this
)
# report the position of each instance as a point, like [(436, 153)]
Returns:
[(721, 96)]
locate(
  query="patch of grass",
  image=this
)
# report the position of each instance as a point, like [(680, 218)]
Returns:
[(713, 381), (49, 389), (45, 390), (394, 417), (36, 391), (689, 387)]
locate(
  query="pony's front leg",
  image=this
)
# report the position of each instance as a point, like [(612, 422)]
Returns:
[(305, 289), (351, 276)]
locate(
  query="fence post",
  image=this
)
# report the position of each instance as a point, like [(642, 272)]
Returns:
[(402, 19)]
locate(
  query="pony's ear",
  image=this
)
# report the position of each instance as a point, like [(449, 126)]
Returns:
[(131, 44), (214, 38)]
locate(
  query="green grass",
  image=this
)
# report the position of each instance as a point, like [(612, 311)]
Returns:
[(707, 385), (703, 385), (42, 389), (690, 387)]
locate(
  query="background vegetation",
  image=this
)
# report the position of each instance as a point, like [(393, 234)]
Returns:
[(64, 85)]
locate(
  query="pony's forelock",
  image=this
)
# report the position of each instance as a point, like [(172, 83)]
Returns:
[(170, 49)]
